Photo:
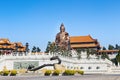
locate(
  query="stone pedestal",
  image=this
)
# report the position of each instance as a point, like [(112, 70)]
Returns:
[(59, 67)]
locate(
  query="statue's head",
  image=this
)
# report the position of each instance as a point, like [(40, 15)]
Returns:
[(62, 28)]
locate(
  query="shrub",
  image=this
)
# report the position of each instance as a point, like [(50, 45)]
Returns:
[(47, 72), (80, 72), (6, 72), (69, 72), (56, 72), (1, 72), (13, 72)]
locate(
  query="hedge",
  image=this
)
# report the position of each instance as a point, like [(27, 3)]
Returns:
[(69, 72), (47, 72), (56, 72)]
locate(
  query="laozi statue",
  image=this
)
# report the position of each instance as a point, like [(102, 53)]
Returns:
[(62, 39)]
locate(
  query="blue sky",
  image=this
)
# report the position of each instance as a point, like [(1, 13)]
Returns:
[(38, 21)]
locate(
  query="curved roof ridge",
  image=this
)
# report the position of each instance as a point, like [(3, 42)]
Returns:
[(87, 38)]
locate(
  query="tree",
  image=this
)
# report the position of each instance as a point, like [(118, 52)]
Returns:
[(91, 52), (34, 49), (118, 56), (79, 52), (48, 47), (51, 47), (38, 49), (104, 48), (54, 49), (27, 47), (111, 47), (117, 47), (114, 61), (104, 55)]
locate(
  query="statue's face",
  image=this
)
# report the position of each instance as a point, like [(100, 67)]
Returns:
[(62, 29)]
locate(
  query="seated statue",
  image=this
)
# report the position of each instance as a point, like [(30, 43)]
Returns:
[(62, 39)]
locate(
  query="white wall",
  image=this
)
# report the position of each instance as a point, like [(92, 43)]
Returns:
[(89, 65)]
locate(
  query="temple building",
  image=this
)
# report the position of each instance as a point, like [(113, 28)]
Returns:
[(8, 47), (20, 47), (5, 44), (78, 42), (87, 42)]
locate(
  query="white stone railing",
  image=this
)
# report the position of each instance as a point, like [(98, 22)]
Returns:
[(41, 56), (23, 56)]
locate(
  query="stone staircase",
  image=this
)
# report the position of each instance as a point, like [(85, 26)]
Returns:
[(115, 69)]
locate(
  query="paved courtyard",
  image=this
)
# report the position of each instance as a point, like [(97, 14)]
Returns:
[(84, 77)]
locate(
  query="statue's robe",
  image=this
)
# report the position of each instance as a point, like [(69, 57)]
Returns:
[(62, 40)]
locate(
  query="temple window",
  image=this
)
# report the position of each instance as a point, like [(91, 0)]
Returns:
[(67, 67), (81, 68), (97, 67), (89, 68)]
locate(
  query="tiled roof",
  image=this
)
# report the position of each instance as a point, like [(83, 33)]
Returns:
[(83, 42), (7, 47), (76, 39), (19, 44), (83, 45), (108, 51), (11, 45), (4, 41), (21, 49)]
